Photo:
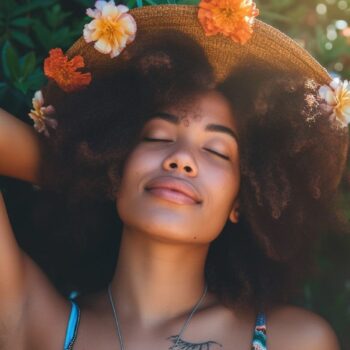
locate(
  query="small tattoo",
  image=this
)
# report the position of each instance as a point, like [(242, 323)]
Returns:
[(184, 345)]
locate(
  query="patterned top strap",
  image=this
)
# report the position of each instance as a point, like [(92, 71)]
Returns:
[(259, 337)]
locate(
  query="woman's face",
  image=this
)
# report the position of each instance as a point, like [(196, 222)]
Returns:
[(180, 182)]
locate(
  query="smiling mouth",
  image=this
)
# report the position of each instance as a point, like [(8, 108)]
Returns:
[(171, 195)]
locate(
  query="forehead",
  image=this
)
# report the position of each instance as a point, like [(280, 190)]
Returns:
[(209, 107)]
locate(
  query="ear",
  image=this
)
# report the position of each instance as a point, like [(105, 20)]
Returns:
[(234, 214)]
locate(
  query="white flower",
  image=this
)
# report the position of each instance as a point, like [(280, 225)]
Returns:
[(112, 27), (40, 114), (337, 96)]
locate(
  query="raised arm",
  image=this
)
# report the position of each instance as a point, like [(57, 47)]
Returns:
[(19, 149), (32, 313)]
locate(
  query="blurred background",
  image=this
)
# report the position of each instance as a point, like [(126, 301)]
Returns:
[(29, 29)]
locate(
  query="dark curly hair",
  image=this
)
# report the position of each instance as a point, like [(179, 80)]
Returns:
[(291, 155)]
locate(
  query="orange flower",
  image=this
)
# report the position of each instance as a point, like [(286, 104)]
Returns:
[(232, 18), (64, 72)]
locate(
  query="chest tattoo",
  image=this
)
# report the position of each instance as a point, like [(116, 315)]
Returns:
[(184, 345)]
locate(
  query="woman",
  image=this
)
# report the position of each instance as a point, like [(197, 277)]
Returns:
[(205, 166)]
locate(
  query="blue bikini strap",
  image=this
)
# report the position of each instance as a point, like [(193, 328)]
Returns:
[(72, 327)]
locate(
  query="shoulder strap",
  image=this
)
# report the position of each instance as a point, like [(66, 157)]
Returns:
[(259, 336), (72, 327)]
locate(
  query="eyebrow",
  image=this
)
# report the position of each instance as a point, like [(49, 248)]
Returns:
[(210, 127)]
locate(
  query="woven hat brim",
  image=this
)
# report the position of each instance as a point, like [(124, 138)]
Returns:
[(267, 45)]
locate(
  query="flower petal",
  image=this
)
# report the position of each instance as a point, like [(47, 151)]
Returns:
[(122, 8), (103, 46), (129, 24), (87, 34), (113, 30), (334, 84), (51, 122), (93, 13), (327, 94), (232, 18), (100, 4), (64, 72)]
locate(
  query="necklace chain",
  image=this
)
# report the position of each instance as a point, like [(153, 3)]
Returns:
[(120, 337)]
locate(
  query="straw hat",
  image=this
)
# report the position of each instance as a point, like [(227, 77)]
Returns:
[(267, 43), (226, 29)]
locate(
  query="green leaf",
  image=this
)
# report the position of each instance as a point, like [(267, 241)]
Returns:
[(36, 80), (21, 85), (85, 3), (33, 5), (22, 38), (131, 3), (55, 16), (139, 3), (60, 37), (22, 22), (188, 2), (7, 6), (43, 35), (27, 64), (10, 62)]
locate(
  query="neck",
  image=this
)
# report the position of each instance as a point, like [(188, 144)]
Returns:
[(155, 280)]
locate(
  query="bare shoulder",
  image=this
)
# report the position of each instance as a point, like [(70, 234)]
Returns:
[(46, 311), (291, 327)]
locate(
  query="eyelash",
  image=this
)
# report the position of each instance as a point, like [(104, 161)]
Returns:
[(149, 139)]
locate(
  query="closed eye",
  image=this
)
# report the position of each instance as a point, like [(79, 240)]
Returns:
[(217, 153), (150, 139)]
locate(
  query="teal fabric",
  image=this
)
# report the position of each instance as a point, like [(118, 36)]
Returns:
[(259, 336), (258, 342)]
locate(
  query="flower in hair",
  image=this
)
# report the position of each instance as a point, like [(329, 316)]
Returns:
[(40, 114), (337, 97), (64, 72), (112, 27), (232, 18)]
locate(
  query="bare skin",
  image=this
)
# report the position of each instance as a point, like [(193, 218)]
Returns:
[(160, 272)]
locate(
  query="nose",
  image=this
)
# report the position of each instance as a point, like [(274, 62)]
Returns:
[(181, 161)]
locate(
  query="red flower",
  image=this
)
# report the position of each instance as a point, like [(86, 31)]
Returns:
[(64, 72)]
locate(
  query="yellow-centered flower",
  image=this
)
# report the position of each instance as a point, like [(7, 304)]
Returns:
[(337, 96), (40, 114), (112, 28)]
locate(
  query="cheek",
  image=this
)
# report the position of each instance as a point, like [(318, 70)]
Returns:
[(223, 183), (138, 163), (136, 167)]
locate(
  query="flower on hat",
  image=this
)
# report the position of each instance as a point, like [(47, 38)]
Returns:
[(40, 114), (112, 28), (232, 18), (337, 96), (64, 72)]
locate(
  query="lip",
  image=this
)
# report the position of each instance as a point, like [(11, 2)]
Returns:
[(174, 189)]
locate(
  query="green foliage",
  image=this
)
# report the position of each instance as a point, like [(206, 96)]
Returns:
[(317, 25), (27, 32), (30, 28)]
